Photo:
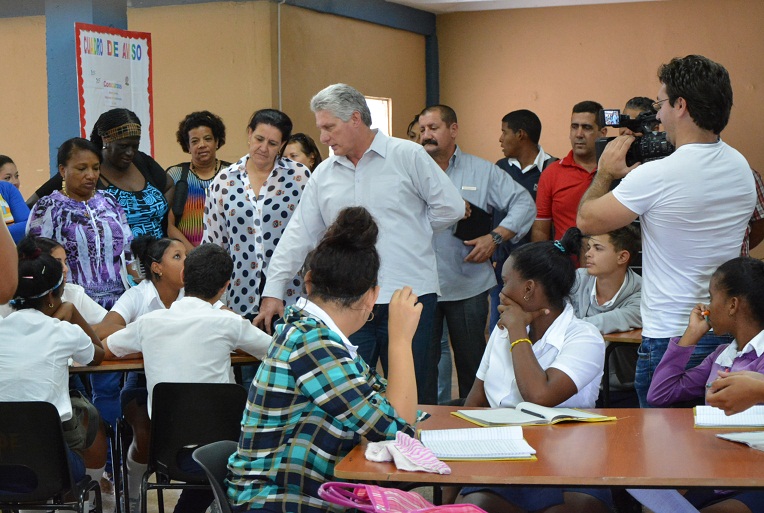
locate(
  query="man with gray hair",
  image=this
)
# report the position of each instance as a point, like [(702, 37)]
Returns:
[(409, 197)]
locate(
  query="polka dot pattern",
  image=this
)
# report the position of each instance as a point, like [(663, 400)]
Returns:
[(250, 232)]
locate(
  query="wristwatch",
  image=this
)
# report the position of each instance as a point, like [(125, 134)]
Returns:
[(497, 239)]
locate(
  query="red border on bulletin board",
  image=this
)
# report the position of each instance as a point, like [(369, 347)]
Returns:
[(149, 90)]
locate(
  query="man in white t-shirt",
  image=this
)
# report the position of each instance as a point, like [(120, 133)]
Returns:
[(694, 205)]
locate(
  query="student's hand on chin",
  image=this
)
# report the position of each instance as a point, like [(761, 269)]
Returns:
[(513, 315)]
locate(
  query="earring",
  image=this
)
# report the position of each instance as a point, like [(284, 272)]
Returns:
[(50, 305), (525, 297), (371, 317)]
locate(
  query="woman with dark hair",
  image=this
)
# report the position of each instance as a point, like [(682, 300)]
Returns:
[(313, 390), (138, 183), (412, 132), (200, 134), (8, 171), (90, 226), (736, 309), (249, 205), (36, 342), (302, 148), (539, 352)]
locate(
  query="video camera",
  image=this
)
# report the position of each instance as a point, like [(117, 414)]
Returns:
[(650, 146)]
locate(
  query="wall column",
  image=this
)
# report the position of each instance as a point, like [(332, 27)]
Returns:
[(60, 17)]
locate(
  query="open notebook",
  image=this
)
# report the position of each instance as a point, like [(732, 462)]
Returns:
[(526, 414), (501, 443), (709, 416)]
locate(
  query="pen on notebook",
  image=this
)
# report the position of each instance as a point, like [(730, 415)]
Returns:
[(532, 413)]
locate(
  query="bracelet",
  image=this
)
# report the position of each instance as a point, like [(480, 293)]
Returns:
[(513, 344)]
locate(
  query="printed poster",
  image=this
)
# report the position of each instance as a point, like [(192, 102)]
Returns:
[(114, 70)]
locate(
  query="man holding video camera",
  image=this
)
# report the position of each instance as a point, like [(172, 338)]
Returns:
[(694, 205)]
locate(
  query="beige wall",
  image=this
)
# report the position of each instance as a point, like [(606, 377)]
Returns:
[(24, 100), (222, 57), (227, 71), (320, 49), (548, 59)]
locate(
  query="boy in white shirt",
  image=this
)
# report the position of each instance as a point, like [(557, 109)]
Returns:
[(190, 342)]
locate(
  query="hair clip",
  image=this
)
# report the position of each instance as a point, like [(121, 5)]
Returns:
[(559, 246)]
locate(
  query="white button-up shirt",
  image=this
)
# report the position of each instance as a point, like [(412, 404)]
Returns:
[(406, 192)]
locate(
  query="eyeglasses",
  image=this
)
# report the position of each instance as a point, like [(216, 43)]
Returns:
[(657, 104)]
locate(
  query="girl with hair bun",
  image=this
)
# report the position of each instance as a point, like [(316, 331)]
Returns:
[(313, 394), (540, 352), (161, 266), (36, 342)]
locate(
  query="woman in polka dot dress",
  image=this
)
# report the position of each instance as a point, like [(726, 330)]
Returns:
[(248, 206)]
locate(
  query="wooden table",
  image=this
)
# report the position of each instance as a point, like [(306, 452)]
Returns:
[(614, 340), (644, 448), (136, 364)]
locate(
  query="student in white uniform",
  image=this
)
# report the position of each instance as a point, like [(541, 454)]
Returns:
[(92, 312), (161, 266), (540, 352), (36, 342), (191, 342)]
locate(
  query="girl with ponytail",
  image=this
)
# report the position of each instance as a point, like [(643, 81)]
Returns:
[(36, 342), (540, 352), (313, 394)]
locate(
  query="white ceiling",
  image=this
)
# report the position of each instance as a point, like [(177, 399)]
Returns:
[(444, 6)]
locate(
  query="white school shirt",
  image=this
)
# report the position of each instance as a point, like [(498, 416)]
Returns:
[(570, 345), (140, 300), (190, 342), (694, 207), (406, 192), (34, 355)]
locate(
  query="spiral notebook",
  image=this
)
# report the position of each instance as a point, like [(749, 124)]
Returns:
[(709, 416), (478, 444)]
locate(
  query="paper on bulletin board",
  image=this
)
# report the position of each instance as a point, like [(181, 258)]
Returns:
[(114, 71)]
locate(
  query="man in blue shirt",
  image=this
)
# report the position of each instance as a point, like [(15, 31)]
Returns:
[(465, 271)]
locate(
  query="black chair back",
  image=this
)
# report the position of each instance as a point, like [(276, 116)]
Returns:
[(188, 415), (213, 458), (33, 460)]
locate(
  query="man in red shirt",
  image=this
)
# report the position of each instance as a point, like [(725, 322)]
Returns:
[(563, 183)]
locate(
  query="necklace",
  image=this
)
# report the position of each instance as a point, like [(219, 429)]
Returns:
[(65, 193), (215, 170)]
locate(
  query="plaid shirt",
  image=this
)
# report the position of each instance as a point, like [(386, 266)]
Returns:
[(758, 212), (307, 406)]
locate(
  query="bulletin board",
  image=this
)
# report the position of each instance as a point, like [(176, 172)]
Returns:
[(114, 70)]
